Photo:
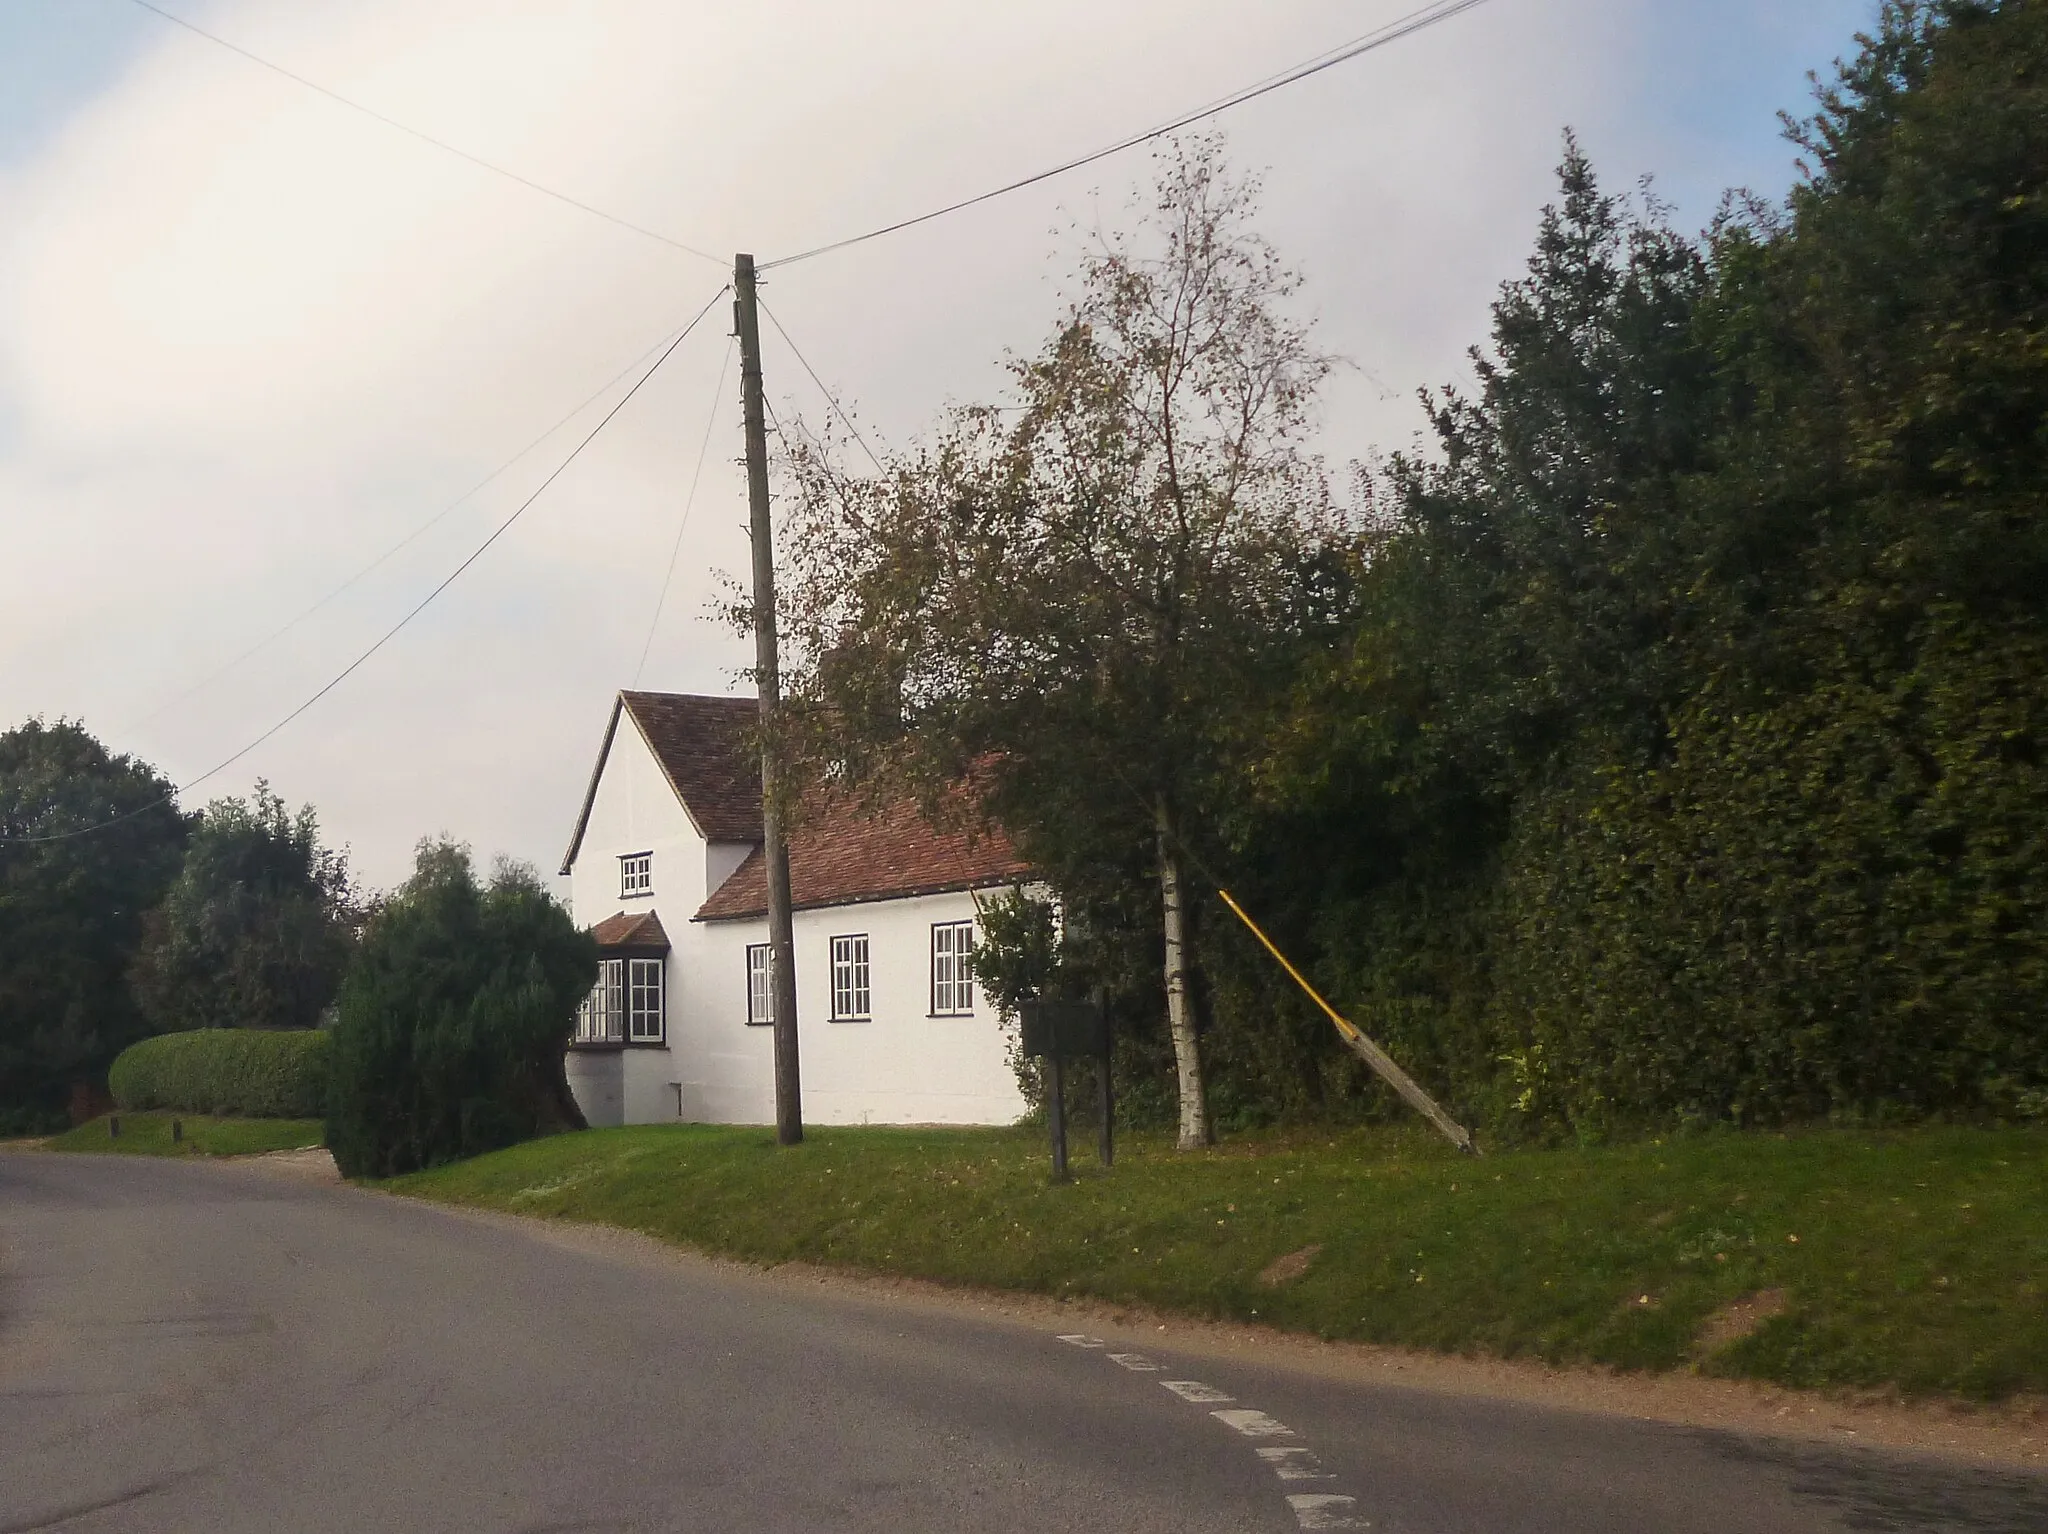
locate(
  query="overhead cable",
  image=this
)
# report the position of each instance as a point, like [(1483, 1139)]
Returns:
[(689, 501), (426, 138), (830, 399), (389, 634), (410, 538), (1392, 32)]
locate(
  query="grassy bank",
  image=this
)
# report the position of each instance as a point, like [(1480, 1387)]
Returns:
[(149, 1134), (1914, 1259)]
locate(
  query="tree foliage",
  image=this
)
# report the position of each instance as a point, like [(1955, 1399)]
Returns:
[(1664, 744), (71, 905), (257, 927), (454, 1018), (1079, 601), (1689, 760)]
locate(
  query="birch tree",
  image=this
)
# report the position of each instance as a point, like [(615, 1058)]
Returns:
[(1082, 595)]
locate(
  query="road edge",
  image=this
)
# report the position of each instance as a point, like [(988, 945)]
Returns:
[(2012, 1433)]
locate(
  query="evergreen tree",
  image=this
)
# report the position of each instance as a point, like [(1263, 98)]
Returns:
[(454, 1018), (88, 842)]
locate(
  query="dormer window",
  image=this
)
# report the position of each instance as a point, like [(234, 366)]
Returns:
[(636, 875)]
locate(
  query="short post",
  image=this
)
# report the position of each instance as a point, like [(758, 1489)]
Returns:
[(1050, 1031), (113, 1126), (1105, 1135), (1056, 1114), (177, 1131)]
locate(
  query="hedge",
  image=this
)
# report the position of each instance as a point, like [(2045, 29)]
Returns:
[(237, 1072)]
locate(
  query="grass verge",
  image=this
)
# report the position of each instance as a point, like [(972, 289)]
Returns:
[(1913, 1260), (149, 1134)]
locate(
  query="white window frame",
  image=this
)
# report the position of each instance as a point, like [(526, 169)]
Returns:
[(760, 985), (952, 969), (646, 1014), (636, 875), (601, 1017), (852, 979)]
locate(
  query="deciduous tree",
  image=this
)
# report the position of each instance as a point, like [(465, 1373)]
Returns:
[(1084, 597), (257, 927)]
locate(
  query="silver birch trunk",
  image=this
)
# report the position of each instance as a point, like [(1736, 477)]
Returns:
[(1180, 1020)]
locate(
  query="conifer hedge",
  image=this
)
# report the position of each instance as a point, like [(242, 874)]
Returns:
[(233, 1072)]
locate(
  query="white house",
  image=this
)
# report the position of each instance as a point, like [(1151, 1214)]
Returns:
[(665, 867)]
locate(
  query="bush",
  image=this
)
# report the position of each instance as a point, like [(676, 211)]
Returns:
[(454, 1019), (233, 1072)]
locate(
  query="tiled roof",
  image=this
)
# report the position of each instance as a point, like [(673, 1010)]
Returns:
[(840, 855), (631, 930), (706, 747)]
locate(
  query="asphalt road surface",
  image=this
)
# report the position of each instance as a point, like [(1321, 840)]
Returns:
[(188, 1347)]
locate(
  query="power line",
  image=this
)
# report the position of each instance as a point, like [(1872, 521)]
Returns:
[(421, 606), (689, 501), (1392, 32), (830, 399), (410, 538), (425, 138)]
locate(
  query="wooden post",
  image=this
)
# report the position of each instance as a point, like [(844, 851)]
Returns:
[(789, 1113), (1056, 1112), (1105, 1136)]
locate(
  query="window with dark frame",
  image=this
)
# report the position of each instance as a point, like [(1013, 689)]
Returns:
[(601, 1019), (760, 985), (850, 1003), (636, 874), (627, 1005), (645, 1020), (952, 969)]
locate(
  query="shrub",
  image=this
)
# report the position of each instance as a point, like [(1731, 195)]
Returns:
[(454, 1019), (233, 1072)]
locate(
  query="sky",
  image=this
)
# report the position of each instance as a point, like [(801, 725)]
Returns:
[(251, 340)]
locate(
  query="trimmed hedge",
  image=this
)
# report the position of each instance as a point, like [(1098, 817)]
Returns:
[(232, 1072)]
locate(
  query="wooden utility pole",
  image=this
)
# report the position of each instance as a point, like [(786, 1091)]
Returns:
[(789, 1110)]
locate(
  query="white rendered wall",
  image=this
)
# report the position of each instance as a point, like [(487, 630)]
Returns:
[(634, 810), (903, 1066)]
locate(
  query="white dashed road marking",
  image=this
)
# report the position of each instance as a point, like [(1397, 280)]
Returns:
[(1195, 1392), (1253, 1424), (1315, 1510), (1292, 1464)]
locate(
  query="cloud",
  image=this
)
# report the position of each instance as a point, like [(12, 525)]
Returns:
[(249, 338)]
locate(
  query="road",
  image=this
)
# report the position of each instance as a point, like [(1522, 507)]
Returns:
[(193, 1347)]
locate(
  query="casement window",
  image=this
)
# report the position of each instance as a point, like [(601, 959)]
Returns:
[(645, 1022), (850, 979), (760, 985), (601, 1019), (952, 968), (636, 875), (625, 1006)]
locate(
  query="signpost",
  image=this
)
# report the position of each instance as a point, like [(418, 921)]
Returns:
[(1055, 1031)]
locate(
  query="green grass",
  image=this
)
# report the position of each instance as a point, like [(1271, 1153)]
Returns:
[(149, 1134), (1917, 1260)]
